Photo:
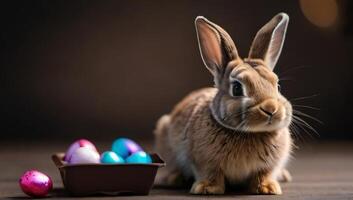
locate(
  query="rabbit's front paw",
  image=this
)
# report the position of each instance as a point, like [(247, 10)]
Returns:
[(205, 187), (268, 187)]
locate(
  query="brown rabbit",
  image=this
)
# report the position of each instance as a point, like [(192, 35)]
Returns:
[(237, 132)]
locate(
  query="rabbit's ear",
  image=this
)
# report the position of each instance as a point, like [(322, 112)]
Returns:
[(216, 46), (268, 41)]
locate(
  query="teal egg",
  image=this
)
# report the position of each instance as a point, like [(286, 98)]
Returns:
[(139, 157), (124, 147), (111, 157)]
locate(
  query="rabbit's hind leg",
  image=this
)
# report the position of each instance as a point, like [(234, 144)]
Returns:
[(162, 146), (169, 175), (284, 176)]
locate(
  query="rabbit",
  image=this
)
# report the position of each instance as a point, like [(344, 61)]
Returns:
[(238, 131)]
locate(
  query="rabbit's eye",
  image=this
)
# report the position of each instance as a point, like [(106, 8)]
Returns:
[(237, 89), (279, 87)]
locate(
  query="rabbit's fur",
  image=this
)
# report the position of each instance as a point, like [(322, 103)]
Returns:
[(217, 137)]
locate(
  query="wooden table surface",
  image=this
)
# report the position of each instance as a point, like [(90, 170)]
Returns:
[(320, 171)]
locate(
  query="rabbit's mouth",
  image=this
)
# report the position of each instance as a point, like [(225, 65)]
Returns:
[(247, 116), (269, 122), (252, 121), (260, 121)]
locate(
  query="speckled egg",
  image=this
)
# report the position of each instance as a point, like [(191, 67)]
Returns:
[(35, 183)]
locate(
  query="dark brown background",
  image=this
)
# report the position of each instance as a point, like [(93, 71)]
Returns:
[(100, 69)]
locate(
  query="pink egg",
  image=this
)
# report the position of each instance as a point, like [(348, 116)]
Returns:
[(35, 183), (76, 145), (84, 155)]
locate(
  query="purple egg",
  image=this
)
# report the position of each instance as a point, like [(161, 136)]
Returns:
[(77, 144), (84, 155), (35, 183)]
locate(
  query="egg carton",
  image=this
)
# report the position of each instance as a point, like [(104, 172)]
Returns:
[(110, 179)]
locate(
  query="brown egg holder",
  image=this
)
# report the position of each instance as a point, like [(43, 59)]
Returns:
[(110, 179)]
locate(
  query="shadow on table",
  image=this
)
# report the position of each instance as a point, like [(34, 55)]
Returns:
[(231, 191), (56, 192)]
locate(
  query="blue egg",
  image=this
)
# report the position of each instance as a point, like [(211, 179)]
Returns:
[(139, 157), (125, 147), (111, 157)]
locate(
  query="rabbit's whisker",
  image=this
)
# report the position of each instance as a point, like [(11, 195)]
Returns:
[(295, 132), (304, 106), (307, 115), (295, 68), (304, 123), (235, 115), (304, 97), (299, 127)]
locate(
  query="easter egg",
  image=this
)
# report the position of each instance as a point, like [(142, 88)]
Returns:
[(139, 157), (84, 155), (111, 157), (76, 145), (35, 183), (125, 147)]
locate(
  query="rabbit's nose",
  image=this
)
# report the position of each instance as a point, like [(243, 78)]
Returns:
[(269, 107)]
